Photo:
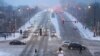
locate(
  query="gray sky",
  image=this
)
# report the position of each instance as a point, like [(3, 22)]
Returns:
[(49, 3)]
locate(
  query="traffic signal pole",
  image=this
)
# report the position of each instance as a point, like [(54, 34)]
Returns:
[(94, 22), (40, 32)]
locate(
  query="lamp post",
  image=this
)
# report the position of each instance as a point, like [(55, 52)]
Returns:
[(94, 8), (89, 7), (94, 20)]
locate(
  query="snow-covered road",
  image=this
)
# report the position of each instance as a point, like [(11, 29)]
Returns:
[(8, 50), (85, 33), (54, 21), (33, 21)]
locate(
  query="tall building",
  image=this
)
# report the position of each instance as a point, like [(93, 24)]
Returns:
[(3, 3)]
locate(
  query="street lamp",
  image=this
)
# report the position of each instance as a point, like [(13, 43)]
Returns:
[(94, 27), (19, 10), (94, 8), (79, 8), (28, 8), (89, 7)]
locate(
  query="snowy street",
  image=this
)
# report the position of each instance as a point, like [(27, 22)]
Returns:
[(47, 45), (49, 27), (15, 50), (75, 32)]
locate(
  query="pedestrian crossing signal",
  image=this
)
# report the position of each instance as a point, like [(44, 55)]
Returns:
[(21, 31), (75, 21), (63, 21)]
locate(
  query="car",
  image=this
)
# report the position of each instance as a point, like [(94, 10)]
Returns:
[(53, 34), (45, 34), (36, 33), (75, 28), (65, 43), (53, 15), (25, 34), (73, 46), (16, 42)]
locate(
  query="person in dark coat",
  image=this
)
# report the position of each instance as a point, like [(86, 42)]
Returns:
[(35, 50), (80, 50)]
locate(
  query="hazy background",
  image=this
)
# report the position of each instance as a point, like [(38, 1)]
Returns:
[(48, 3)]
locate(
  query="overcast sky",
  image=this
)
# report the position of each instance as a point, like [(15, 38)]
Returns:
[(49, 3)]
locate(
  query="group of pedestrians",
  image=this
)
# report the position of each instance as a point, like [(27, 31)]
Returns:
[(60, 52)]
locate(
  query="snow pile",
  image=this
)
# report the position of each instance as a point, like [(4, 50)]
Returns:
[(86, 33), (31, 21), (5, 54), (10, 37)]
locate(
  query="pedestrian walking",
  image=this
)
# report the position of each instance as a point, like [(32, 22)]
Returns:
[(36, 52), (60, 52), (5, 37), (80, 50), (21, 31), (60, 49)]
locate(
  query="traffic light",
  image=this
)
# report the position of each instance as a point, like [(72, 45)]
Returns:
[(75, 21), (40, 32), (21, 31), (63, 21)]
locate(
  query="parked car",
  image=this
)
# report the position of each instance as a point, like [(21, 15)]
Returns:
[(72, 46), (16, 42), (65, 43)]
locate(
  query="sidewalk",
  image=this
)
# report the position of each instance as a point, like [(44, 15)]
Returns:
[(85, 33)]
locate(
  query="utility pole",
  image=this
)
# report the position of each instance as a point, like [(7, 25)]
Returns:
[(15, 26), (94, 28), (98, 26)]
